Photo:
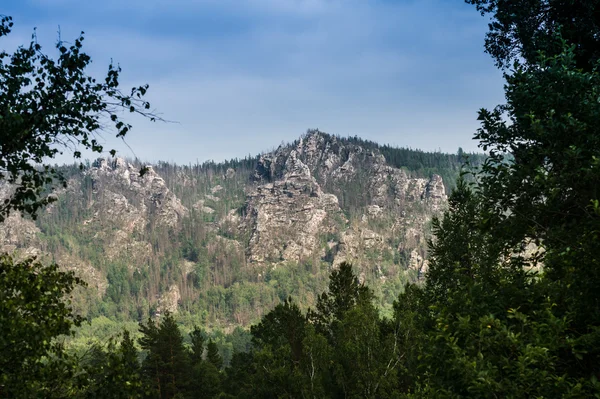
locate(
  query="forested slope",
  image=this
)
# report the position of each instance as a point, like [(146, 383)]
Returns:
[(226, 242)]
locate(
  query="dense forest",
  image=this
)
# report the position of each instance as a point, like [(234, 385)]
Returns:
[(217, 287), (510, 306)]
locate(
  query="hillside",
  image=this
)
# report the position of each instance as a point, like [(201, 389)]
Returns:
[(224, 243)]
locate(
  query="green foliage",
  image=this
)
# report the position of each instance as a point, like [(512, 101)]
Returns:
[(205, 381), (341, 349), (50, 105), (166, 365), (496, 317), (283, 326), (213, 356), (345, 292), (112, 371), (522, 29), (33, 313), (197, 338), (510, 307), (216, 284)]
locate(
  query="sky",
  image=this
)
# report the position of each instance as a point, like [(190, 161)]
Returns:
[(239, 77)]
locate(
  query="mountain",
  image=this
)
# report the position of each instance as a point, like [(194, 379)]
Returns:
[(224, 243)]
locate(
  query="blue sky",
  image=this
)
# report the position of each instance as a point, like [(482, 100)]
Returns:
[(241, 76)]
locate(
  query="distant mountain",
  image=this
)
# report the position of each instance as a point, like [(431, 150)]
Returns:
[(225, 242)]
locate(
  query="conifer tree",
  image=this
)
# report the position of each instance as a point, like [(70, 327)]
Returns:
[(345, 292), (197, 338), (166, 365), (213, 356), (205, 379), (129, 353)]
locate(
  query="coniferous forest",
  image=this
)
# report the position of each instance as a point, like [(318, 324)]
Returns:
[(509, 306)]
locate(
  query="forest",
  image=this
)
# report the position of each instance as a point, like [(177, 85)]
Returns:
[(510, 304), (204, 256)]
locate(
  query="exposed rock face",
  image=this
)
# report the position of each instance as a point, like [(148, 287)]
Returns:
[(121, 205), (354, 242), (131, 198), (230, 173), (125, 204), (417, 262), (297, 203), (169, 300), (19, 236), (435, 192), (335, 164), (286, 216), (18, 233), (199, 206), (83, 269)]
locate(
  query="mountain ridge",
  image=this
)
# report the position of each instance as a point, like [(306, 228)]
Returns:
[(226, 242)]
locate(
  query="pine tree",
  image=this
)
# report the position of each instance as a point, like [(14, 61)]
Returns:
[(345, 292), (129, 352), (213, 356), (283, 326), (197, 338), (166, 365)]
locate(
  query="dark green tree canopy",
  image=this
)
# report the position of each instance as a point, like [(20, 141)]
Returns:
[(48, 106), (166, 366), (511, 304), (33, 311), (525, 27), (213, 356), (345, 292)]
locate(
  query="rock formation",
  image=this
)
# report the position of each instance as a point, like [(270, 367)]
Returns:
[(294, 211)]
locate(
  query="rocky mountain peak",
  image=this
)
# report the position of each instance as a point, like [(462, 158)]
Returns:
[(304, 191)]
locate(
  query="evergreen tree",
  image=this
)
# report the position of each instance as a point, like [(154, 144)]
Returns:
[(487, 322), (197, 338), (205, 381), (283, 326), (238, 381), (166, 365), (278, 342), (129, 353), (343, 349), (111, 371), (345, 292), (213, 356)]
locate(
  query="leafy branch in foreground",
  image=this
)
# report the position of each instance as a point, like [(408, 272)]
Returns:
[(48, 106), (33, 312)]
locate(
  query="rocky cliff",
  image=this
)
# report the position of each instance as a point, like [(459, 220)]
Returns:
[(296, 210)]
